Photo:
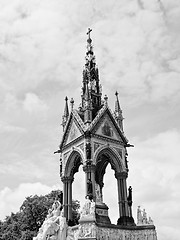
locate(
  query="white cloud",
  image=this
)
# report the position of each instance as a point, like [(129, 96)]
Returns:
[(5, 128), (32, 103), (12, 199), (154, 176)]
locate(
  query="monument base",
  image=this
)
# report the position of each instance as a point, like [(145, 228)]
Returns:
[(95, 231)]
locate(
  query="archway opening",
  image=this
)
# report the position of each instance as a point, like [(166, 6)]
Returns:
[(107, 164), (110, 194), (78, 188)]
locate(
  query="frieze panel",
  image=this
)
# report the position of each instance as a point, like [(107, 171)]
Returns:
[(119, 234), (90, 230), (87, 230)]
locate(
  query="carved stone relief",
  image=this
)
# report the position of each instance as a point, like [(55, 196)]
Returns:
[(87, 230), (120, 234)]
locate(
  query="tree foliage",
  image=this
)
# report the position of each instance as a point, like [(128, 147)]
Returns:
[(25, 224)]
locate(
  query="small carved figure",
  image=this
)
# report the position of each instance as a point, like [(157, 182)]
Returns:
[(144, 217), (129, 198), (92, 207), (93, 231), (89, 188), (86, 207), (98, 193), (88, 150), (150, 221), (139, 216)]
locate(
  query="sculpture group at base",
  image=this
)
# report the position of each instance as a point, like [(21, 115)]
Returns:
[(54, 226), (142, 218), (88, 208)]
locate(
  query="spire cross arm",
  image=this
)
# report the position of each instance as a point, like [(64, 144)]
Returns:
[(89, 31), (58, 151)]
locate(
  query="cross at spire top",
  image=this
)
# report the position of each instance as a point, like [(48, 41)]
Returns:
[(89, 37), (89, 31)]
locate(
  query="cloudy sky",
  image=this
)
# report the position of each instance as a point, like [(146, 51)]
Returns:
[(137, 48)]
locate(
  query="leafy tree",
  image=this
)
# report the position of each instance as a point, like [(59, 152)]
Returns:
[(25, 224)]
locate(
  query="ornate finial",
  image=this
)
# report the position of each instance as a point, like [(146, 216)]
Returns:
[(88, 33), (66, 113), (105, 99), (118, 112), (72, 103), (66, 109), (117, 104)]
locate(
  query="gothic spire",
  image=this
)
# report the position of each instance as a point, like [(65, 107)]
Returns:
[(91, 79), (117, 104), (66, 113), (118, 112)]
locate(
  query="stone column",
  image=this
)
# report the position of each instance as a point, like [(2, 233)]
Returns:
[(122, 196), (89, 170), (65, 196), (69, 201)]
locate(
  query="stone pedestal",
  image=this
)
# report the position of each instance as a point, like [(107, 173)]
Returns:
[(102, 213)]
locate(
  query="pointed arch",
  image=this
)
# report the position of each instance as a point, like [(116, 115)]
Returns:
[(74, 160), (107, 155)]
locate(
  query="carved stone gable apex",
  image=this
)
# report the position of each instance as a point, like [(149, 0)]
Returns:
[(99, 115), (74, 129), (105, 125)]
